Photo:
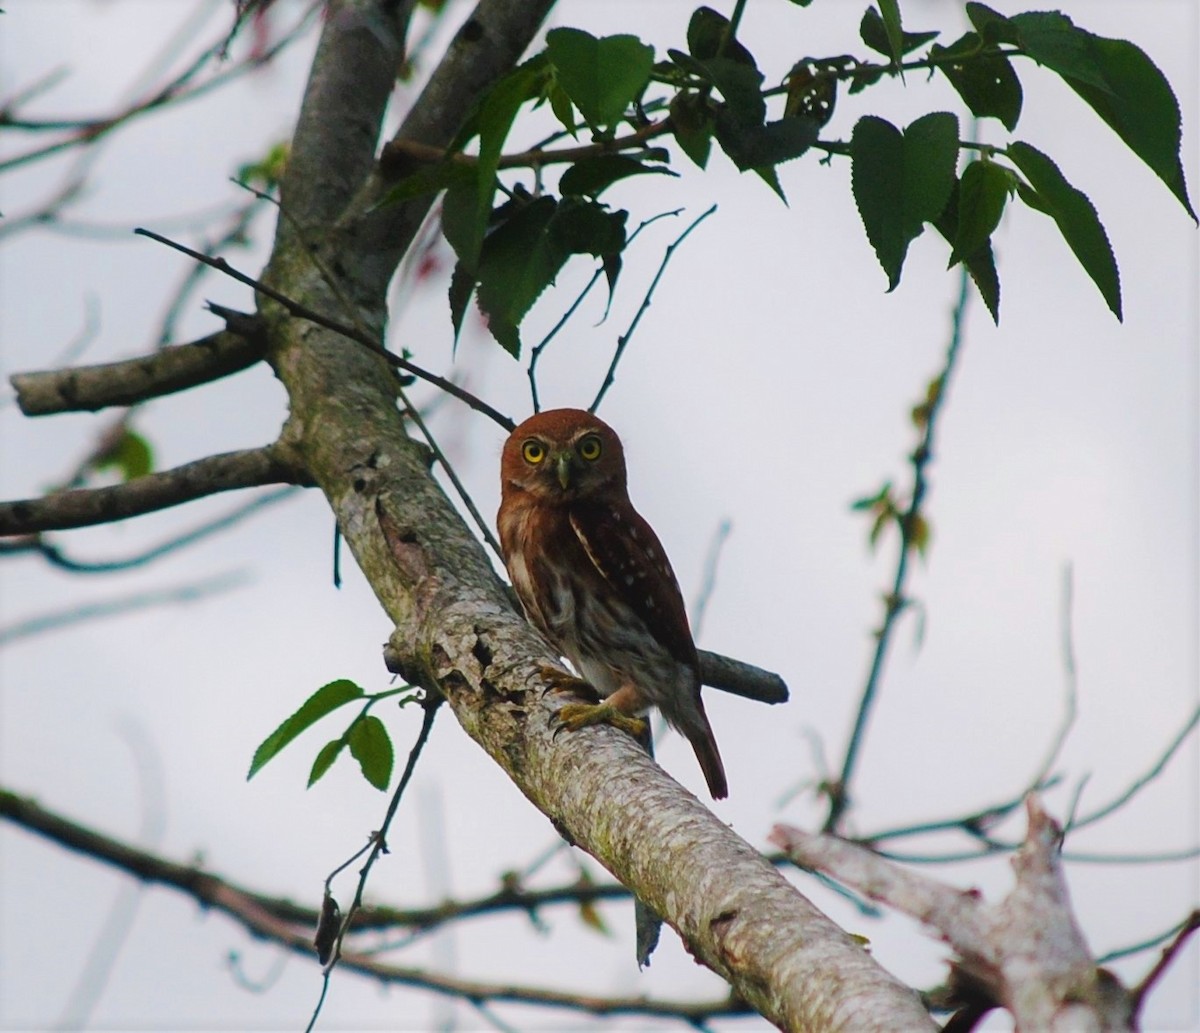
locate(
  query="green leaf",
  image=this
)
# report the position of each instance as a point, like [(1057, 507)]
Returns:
[(890, 9), (983, 191), (467, 206), (581, 227), (993, 26), (874, 34), (980, 263), (131, 456), (329, 753), (985, 81), (430, 180), (1121, 84), (760, 146), (1075, 216), (705, 32), (741, 86), (603, 77), (901, 181), (324, 701), (592, 176), (462, 286), (516, 265), (563, 109), (692, 123), (371, 746)]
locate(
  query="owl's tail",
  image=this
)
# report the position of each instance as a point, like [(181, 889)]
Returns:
[(700, 734)]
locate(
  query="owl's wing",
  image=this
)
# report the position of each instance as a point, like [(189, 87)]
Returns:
[(627, 553)]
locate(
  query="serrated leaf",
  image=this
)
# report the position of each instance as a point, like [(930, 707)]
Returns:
[(324, 701), (993, 26), (462, 286), (692, 124), (762, 146), (981, 264), (986, 82), (705, 32), (467, 207), (1076, 218), (1120, 83), (329, 753), (131, 456), (580, 227), (874, 34), (901, 181), (982, 193), (603, 77), (890, 9), (516, 265), (429, 180), (371, 746), (564, 110), (592, 176)]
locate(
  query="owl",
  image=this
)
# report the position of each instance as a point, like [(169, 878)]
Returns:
[(594, 580)]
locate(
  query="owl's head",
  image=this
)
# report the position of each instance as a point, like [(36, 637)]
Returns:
[(562, 455)]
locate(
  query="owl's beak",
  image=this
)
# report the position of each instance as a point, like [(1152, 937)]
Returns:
[(563, 465)]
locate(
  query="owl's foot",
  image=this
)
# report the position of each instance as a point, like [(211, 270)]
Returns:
[(575, 716)]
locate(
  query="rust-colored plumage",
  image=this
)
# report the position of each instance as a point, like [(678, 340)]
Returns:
[(594, 579)]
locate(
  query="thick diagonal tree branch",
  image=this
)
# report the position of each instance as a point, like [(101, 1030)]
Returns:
[(83, 507), (456, 632)]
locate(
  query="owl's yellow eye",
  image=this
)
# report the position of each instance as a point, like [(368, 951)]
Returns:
[(533, 451), (589, 448)]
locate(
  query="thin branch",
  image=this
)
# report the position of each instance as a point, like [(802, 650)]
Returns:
[(1170, 952), (839, 792), (378, 846), (338, 327), (708, 579), (83, 507), (625, 338), (118, 607), (1141, 782), (246, 909), (38, 545)]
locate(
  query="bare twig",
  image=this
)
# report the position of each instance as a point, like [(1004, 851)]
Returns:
[(38, 545), (365, 339), (839, 792), (1170, 952), (625, 338), (708, 579), (248, 911), (84, 507), (117, 607)]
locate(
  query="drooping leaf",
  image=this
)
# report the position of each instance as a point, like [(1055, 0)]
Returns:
[(329, 753), (324, 701), (874, 34), (741, 86), (131, 456), (467, 206), (983, 191), (692, 123), (981, 263), (1076, 218), (890, 9), (705, 33), (462, 286), (1121, 84), (901, 181), (603, 77), (371, 746), (986, 82), (580, 227), (761, 146), (592, 176), (429, 180), (516, 265)]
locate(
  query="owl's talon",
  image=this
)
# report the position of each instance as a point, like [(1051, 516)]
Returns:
[(575, 716), (560, 681)]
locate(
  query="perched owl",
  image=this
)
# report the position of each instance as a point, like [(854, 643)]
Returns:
[(593, 578)]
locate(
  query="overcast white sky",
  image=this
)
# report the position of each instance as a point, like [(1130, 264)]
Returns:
[(770, 385)]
